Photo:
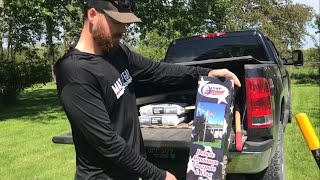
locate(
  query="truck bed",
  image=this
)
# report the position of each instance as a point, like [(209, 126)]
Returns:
[(174, 136)]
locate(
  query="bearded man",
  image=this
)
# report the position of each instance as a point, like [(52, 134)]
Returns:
[(95, 83)]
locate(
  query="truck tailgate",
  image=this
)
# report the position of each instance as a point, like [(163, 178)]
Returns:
[(171, 136)]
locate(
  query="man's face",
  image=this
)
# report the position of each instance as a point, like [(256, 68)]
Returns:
[(107, 33)]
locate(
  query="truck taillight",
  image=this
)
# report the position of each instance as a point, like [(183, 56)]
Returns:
[(259, 109)]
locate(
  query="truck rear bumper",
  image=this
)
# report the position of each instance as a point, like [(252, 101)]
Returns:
[(254, 158), (248, 162)]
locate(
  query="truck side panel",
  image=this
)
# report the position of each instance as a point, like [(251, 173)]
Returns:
[(259, 148)]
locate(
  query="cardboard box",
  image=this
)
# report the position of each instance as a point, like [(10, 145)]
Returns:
[(211, 132)]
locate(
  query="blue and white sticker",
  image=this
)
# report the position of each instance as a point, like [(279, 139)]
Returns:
[(215, 91)]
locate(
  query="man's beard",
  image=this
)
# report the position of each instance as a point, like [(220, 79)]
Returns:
[(105, 42)]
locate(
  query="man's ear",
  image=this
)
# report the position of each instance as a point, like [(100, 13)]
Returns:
[(92, 15)]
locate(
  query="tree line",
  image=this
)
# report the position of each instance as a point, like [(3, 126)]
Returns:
[(35, 33)]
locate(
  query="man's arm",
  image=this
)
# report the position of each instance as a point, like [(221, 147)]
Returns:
[(84, 107)]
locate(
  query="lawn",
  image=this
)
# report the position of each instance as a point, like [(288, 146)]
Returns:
[(27, 152), (216, 144), (26, 149), (300, 163)]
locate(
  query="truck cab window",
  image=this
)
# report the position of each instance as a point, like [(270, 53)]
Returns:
[(196, 49)]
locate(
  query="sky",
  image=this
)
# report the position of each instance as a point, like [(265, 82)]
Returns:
[(315, 5), (217, 110)]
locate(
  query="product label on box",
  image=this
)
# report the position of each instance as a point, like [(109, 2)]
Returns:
[(156, 120), (158, 110), (211, 131)]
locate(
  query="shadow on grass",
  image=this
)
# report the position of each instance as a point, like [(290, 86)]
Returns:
[(36, 105)]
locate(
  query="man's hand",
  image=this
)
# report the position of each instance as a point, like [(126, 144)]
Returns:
[(170, 176), (225, 73)]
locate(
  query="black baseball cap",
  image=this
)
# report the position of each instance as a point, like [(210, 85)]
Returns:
[(119, 10)]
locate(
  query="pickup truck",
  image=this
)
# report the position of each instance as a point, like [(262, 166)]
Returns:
[(263, 101)]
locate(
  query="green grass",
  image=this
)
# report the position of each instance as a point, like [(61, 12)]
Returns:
[(26, 130), (216, 144), (300, 163), (26, 149)]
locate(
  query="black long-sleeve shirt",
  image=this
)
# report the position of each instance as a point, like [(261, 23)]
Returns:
[(98, 96)]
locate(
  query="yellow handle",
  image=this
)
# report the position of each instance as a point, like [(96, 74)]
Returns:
[(307, 131)]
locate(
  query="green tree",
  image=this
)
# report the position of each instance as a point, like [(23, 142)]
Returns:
[(317, 23), (176, 18), (19, 26), (58, 15), (281, 20), (311, 55), (153, 46), (1, 30), (16, 76), (22, 26), (165, 20), (26, 22), (50, 13), (72, 22)]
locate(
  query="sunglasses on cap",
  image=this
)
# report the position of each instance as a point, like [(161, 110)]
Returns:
[(119, 10), (120, 5)]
